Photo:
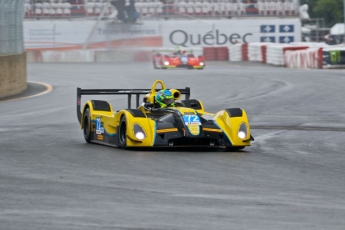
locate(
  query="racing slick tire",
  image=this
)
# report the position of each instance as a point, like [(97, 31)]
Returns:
[(123, 133), (87, 126), (154, 65)]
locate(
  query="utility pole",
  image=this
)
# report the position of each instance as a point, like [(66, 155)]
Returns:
[(344, 24)]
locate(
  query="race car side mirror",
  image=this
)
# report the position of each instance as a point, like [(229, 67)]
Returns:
[(193, 105), (148, 105)]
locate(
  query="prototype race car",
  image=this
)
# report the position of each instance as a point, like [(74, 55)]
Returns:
[(177, 59), (186, 124)]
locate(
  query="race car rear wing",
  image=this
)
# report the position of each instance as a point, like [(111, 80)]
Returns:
[(129, 92)]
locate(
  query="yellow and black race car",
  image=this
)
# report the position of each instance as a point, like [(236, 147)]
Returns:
[(186, 124)]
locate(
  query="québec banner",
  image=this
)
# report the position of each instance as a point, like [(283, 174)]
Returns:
[(169, 33)]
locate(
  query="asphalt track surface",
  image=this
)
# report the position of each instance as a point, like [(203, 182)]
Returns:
[(292, 177)]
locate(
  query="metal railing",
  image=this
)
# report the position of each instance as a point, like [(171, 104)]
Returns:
[(163, 8)]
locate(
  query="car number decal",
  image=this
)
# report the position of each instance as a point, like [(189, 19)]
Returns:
[(184, 59), (191, 120), (99, 126)]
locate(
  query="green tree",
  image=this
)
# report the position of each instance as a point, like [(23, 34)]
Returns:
[(332, 11)]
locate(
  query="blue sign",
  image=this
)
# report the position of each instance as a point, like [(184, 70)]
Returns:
[(191, 120), (267, 28), (286, 39), (268, 39), (286, 28)]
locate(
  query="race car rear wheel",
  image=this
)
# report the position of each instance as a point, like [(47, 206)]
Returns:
[(154, 65), (87, 126), (123, 133)]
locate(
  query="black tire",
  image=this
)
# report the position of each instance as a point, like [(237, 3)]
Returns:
[(87, 126), (154, 65), (123, 133)]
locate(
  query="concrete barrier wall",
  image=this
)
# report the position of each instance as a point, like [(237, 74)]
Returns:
[(114, 55), (12, 74)]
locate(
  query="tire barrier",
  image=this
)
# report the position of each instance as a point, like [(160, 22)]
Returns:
[(222, 53), (210, 53), (263, 53), (245, 52), (319, 58), (142, 56), (68, 56), (293, 55), (116, 55), (235, 52), (275, 53), (308, 58), (256, 52)]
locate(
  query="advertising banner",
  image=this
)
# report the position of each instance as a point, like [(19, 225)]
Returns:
[(188, 33), (229, 32)]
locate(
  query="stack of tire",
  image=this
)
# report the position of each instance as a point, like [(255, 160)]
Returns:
[(209, 53), (142, 56), (222, 53), (216, 53)]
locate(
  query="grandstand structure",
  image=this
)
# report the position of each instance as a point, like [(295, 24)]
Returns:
[(163, 8)]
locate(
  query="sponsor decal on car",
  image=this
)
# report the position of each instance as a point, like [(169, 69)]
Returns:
[(194, 129), (99, 126)]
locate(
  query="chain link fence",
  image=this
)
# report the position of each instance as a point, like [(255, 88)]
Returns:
[(11, 27)]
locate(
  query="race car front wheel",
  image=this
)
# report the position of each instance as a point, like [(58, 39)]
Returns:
[(123, 133), (87, 126)]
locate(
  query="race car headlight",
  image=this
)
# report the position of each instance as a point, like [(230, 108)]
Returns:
[(138, 132), (166, 63), (201, 63), (242, 132), (140, 135)]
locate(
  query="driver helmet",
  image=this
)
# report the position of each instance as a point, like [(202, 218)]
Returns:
[(165, 98)]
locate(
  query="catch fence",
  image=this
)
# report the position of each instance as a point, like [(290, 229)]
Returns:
[(11, 27)]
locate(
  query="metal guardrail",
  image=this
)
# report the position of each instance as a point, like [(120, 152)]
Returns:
[(167, 9), (11, 27)]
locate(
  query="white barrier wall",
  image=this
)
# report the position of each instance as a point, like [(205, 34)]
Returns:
[(255, 51), (68, 56), (235, 52), (274, 54), (116, 55)]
